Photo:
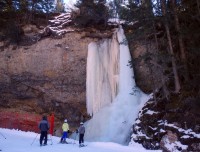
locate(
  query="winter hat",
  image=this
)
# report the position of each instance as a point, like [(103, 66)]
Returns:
[(81, 123), (65, 120)]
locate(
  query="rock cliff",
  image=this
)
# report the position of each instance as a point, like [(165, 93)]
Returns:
[(48, 76)]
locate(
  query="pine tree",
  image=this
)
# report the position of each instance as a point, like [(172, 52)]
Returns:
[(7, 6)]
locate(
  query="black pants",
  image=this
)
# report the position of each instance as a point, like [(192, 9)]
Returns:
[(81, 140), (43, 136)]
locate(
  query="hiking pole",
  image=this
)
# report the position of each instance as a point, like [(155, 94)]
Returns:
[(2, 135), (51, 139), (34, 139), (75, 137)]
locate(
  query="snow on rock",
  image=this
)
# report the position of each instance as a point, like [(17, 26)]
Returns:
[(150, 128), (137, 121), (57, 27), (185, 136), (115, 21), (161, 130), (150, 112), (188, 132), (170, 143)]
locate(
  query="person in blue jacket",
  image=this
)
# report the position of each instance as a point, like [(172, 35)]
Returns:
[(44, 127)]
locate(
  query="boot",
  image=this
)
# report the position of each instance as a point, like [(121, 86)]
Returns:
[(65, 141), (61, 140)]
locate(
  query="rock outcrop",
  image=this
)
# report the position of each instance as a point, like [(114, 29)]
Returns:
[(167, 125)]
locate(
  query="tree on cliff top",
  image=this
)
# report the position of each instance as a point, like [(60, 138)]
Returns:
[(91, 13), (16, 13)]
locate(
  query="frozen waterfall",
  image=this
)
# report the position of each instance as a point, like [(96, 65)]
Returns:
[(102, 73), (112, 96)]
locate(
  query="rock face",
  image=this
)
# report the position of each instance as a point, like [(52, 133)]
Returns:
[(48, 76), (162, 125), (147, 74)]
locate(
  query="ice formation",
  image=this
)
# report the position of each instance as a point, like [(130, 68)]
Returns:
[(102, 73), (113, 99)]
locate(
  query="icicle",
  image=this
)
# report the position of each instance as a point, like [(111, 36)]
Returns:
[(102, 73)]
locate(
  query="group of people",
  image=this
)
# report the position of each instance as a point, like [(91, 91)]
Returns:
[(44, 127)]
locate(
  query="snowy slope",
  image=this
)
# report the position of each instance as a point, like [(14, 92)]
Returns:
[(19, 141)]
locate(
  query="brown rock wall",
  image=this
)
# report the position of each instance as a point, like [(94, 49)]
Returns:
[(48, 76)]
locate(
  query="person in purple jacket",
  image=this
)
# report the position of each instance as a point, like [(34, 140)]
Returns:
[(81, 131)]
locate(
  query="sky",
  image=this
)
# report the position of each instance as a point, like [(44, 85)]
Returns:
[(19, 141), (69, 1)]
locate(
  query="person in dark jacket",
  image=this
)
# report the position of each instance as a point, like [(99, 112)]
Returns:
[(81, 131), (44, 127)]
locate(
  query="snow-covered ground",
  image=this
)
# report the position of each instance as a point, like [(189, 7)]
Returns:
[(19, 141)]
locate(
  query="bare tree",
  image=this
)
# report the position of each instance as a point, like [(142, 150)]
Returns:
[(171, 51), (163, 78), (180, 38), (198, 6)]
